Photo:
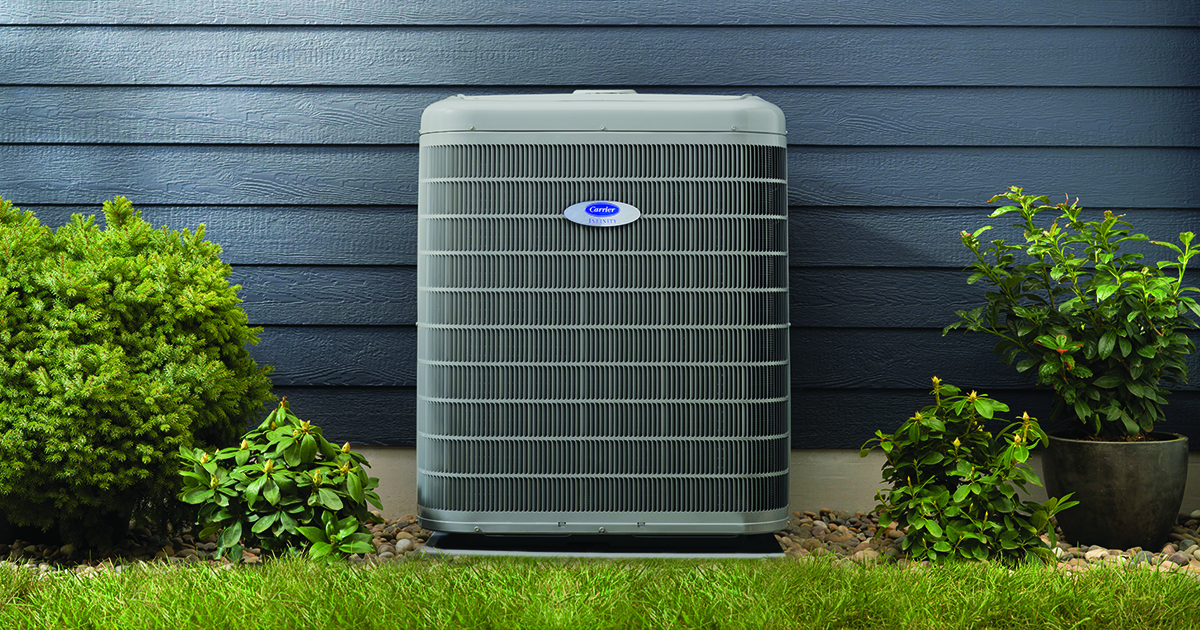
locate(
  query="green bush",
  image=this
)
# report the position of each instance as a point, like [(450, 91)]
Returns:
[(118, 345), (1102, 327), (954, 484), (284, 486)]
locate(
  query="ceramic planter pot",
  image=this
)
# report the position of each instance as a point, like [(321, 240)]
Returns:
[(1129, 493)]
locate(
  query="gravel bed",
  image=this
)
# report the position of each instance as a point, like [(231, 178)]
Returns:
[(853, 537), (394, 539), (845, 536)]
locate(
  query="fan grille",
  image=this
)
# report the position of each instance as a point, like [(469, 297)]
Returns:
[(565, 368)]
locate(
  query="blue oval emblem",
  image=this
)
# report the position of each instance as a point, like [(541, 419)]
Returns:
[(602, 213), (601, 209)]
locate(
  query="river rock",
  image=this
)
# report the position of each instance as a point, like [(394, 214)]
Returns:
[(839, 537), (866, 555)]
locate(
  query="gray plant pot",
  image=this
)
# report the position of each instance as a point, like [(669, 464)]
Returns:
[(1129, 493)]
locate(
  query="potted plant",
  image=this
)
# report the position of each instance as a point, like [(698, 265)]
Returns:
[(1105, 331)]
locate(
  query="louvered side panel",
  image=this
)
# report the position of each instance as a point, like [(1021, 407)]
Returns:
[(568, 371)]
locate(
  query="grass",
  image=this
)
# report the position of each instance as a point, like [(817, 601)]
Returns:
[(527, 593)]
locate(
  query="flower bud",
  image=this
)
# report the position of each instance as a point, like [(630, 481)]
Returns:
[(268, 467), (346, 447), (245, 445), (203, 458)]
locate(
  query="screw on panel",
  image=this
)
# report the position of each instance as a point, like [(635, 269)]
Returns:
[(733, 128), (603, 128), (602, 530), (477, 529), (562, 523), (472, 127), (641, 523)]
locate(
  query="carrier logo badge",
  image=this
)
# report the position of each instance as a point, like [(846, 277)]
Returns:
[(602, 213)]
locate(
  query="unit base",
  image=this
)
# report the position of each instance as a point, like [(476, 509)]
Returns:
[(597, 546), (637, 523)]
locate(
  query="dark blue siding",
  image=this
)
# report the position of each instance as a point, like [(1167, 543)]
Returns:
[(289, 128)]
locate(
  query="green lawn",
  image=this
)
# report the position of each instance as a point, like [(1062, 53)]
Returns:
[(529, 593)]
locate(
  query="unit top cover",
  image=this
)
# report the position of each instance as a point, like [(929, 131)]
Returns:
[(604, 111)]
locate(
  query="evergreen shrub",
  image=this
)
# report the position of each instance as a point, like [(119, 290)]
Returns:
[(118, 346)]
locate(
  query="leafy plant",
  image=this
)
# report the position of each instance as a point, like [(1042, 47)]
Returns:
[(954, 484), (283, 479), (1097, 325), (337, 536), (118, 346)]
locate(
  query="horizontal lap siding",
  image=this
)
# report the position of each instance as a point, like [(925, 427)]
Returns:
[(289, 129), (596, 12), (816, 115)]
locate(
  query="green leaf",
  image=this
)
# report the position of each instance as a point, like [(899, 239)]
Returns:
[(1126, 346), (330, 499), (254, 489), (1107, 342), (1104, 291), (1146, 351), (942, 546), (242, 457), (308, 449), (348, 526), (934, 528), (314, 534), (271, 492), (354, 487), (328, 451), (1108, 381), (320, 550), (291, 455), (231, 535), (197, 495), (265, 522)]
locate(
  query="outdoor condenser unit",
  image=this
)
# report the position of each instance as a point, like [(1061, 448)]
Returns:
[(602, 320)]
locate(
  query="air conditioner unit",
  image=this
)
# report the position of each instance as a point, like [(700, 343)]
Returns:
[(602, 318)]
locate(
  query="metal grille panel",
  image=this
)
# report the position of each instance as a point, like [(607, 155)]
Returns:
[(566, 369)]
